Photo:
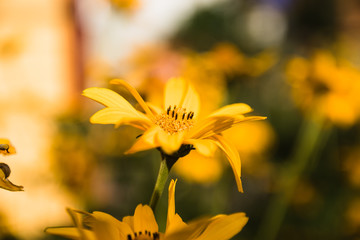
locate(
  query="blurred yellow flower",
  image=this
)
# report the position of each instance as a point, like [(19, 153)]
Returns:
[(176, 125), (199, 168), (227, 59), (253, 140), (161, 62), (352, 216), (126, 5), (143, 225), (327, 85), (151, 67), (351, 165), (6, 148)]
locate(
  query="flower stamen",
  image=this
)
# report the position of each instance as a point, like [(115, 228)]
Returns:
[(147, 236), (175, 120)]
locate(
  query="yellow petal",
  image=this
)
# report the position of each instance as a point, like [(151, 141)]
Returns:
[(180, 93), (108, 98), (171, 202), (175, 91), (69, 232), (144, 219), (189, 231), (77, 218), (170, 143), (135, 94), (232, 155), (6, 184), (125, 230), (202, 146), (174, 221), (6, 148), (215, 125), (192, 101), (101, 216), (106, 226), (224, 227), (234, 122), (146, 141), (210, 126), (221, 120), (154, 109), (118, 116), (232, 110), (175, 225), (129, 220)]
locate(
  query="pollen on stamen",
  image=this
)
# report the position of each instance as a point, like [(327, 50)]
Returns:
[(175, 120)]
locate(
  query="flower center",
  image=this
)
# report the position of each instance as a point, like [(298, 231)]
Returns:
[(147, 235), (175, 120)]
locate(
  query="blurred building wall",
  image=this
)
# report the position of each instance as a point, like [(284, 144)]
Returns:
[(39, 79)]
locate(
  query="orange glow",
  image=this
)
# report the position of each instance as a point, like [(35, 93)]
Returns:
[(36, 75)]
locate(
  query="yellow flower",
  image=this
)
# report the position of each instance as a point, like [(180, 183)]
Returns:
[(126, 5), (351, 165), (143, 226), (327, 85), (6, 148), (227, 59), (150, 68), (174, 128)]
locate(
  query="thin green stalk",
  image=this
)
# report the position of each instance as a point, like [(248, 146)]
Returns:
[(311, 136), (167, 161), (160, 184)]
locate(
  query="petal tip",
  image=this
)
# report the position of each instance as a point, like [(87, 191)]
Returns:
[(116, 81), (172, 183), (240, 188), (128, 152), (92, 120), (86, 91)]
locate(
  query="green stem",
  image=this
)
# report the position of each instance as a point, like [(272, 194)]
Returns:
[(160, 183), (310, 138), (167, 161)]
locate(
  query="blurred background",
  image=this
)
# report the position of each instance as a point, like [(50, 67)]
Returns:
[(295, 61)]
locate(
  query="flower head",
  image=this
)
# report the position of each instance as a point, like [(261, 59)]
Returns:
[(143, 226), (6, 148), (176, 124), (327, 85)]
